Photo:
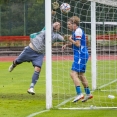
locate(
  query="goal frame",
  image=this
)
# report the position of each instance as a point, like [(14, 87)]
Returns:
[(93, 45), (49, 54), (48, 51)]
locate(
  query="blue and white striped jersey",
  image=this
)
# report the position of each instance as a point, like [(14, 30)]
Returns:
[(79, 34)]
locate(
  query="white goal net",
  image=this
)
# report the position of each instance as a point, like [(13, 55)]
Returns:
[(99, 21)]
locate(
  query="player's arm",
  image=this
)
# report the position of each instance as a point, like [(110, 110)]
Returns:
[(78, 36), (76, 42), (56, 35), (60, 38), (67, 44)]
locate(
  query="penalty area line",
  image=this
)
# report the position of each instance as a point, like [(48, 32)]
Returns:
[(37, 113)]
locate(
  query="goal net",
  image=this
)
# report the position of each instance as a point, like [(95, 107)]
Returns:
[(99, 21)]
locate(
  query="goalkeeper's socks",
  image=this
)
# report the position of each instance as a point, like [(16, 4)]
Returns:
[(87, 90), (34, 79), (78, 90)]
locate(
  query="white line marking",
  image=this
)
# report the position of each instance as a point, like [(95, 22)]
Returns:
[(37, 113), (110, 90), (64, 102), (107, 84)]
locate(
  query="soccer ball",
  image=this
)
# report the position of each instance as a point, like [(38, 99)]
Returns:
[(65, 8)]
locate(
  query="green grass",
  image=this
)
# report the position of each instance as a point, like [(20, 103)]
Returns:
[(16, 102)]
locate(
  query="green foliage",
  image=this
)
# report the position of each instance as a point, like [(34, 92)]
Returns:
[(3, 1), (18, 14), (30, 15), (40, 1)]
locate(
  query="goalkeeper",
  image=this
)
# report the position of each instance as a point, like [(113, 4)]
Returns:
[(78, 44), (36, 50)]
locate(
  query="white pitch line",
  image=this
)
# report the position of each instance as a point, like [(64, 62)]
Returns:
[(114, 90), (37, 113), (64, 102), (107, 84)]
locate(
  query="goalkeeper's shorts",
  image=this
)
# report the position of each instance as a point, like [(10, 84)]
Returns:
[(29, 55)]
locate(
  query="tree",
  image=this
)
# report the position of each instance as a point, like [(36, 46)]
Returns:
[(17, 20)]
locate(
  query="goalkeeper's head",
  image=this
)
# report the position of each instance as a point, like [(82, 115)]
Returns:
[(56, 26)]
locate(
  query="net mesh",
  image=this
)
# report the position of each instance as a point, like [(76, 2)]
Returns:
[(106, 55), (30, 18)]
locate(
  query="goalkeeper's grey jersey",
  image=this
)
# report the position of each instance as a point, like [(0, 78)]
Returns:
[(38, 40)]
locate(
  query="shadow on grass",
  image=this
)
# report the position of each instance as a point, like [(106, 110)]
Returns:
[(15, 96)]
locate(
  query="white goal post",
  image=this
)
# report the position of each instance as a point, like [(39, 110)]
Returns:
[(48, 54), (98, 20), (93, 44)]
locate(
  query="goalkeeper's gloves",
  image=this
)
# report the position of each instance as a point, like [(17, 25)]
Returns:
[(55, 6)]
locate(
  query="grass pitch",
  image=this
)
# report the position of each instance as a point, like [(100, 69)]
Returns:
[(16, 102)]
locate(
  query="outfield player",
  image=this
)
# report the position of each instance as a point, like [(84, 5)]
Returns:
[(35, 52), (78, 44)]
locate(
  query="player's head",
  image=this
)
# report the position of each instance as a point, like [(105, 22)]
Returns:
[(73, 22), (56, 26)]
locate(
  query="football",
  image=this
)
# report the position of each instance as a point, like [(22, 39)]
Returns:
[(65, 8)]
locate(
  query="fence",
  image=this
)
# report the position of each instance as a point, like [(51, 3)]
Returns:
[(13, 45)]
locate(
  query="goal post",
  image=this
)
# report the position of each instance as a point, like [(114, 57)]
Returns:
[(48, 54), (93, 44), (98, 20)]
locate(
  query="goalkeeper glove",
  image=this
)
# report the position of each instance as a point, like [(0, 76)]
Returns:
[(55, 6)]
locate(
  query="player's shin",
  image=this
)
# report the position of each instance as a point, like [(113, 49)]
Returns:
[(34, 79)]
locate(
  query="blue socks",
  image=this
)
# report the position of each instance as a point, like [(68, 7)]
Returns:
[(78, 90), (34, 79), (87, 90)]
